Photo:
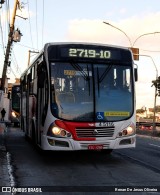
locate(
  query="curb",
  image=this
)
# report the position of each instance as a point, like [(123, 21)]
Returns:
[(4, 174)]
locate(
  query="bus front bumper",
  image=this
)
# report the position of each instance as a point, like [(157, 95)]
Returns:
[(50, 143)]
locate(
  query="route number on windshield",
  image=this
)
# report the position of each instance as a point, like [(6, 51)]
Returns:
[(89, 53)]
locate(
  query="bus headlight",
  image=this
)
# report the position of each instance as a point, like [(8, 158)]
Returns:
[(14, 114), (128, 131), (55, 131)]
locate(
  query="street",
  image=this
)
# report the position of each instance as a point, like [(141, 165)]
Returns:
[(82, 171)]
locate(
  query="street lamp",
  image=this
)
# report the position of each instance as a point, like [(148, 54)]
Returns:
[(121, 31), (142, 36), (155, 95), (153, 63), (128, 36)]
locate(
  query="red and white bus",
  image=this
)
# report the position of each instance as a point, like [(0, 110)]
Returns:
[(80, 96)]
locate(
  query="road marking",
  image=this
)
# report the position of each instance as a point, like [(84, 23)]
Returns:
[(10, 170), (154, 145)]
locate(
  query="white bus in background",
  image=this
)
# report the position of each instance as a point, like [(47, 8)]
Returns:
[(1, 99), (15, 105), (80, 96)]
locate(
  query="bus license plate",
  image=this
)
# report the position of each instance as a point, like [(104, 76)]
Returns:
[(95, 147)]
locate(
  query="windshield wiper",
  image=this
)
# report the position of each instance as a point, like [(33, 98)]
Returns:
[(88, 79), (82, 72), (104, 73), (100, 79)]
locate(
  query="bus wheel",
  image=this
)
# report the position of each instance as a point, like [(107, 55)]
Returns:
[(107, 151)]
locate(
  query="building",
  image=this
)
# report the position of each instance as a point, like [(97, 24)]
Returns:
[(4, 97), (148, 115)]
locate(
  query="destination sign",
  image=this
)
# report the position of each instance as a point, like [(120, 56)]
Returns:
[(88, 53), (82, 52)]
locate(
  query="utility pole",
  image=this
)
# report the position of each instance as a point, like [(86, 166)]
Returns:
[(9, 44)]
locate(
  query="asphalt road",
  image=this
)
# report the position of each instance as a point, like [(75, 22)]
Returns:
[(83, 171)]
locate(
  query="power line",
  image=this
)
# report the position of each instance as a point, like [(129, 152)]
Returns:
[(13, 72), (5, 27), (29, 23), (15, 63), (8, 14), (2, 39), (42, 23), (26, 46), (36, 25), (7, 20), (16, 67), (11, 69)]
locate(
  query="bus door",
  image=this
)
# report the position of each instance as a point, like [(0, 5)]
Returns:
[(42, 101), (31, 112), (27, 106)]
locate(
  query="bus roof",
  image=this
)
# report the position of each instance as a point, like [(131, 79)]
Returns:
[(86, 43)]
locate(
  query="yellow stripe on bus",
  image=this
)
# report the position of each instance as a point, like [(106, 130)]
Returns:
[(116, 113)]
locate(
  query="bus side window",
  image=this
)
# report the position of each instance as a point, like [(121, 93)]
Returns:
[(41, 78), (33, 74), (29, 80), (23, 84)]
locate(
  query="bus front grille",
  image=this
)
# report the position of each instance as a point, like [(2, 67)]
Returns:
[(95, 132)]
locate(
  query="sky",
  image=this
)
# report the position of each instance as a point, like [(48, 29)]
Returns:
[(82, 21)]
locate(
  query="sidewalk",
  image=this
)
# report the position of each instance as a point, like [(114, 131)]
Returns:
[(4, 176)]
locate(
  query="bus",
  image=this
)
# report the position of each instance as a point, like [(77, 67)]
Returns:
[(80, 96), (15, 105)]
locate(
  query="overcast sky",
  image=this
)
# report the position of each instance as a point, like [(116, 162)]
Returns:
[(71, 20)]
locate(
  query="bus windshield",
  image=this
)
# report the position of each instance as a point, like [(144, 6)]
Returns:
[(91, 92)]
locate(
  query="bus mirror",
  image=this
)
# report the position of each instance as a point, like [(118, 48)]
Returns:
[(136, 74), (41, 78)]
